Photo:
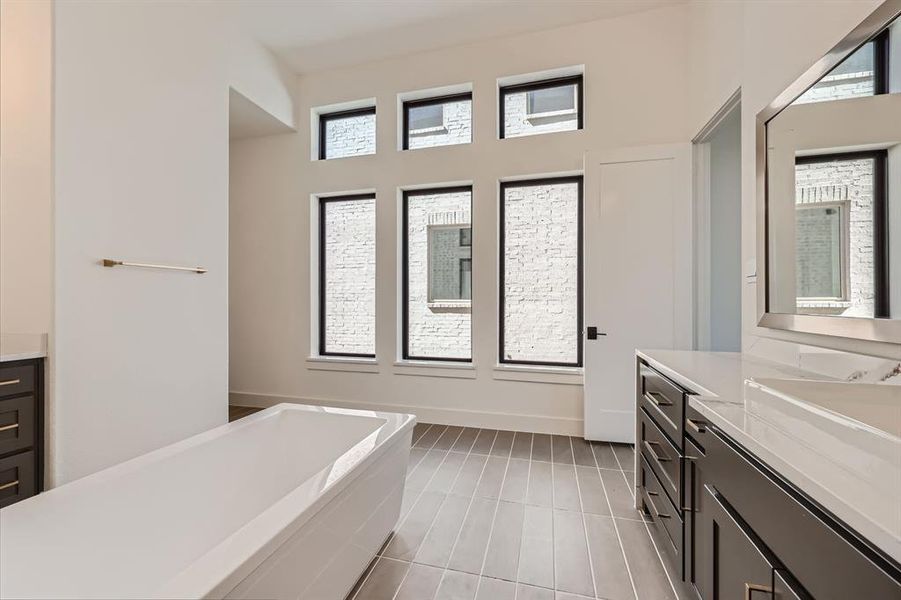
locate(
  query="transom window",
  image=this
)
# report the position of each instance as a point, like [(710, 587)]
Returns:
[(443, 121), (541, 107), (347, 133)]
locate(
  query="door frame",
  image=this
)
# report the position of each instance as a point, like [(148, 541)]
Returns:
[(622, 425), (701, 201)]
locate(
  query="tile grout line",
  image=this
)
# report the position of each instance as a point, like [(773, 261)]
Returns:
[(523, 528), (466, 514), (629, 484), (619, 538), (413, 443), (401, 523), (494, 518), (437, 512), (594, 585), (553, 524), (647, 528), (660, 558)]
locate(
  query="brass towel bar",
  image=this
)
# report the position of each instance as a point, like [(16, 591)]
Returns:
[(121, 263)]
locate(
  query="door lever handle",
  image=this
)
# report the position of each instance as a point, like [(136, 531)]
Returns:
[(593, 333)]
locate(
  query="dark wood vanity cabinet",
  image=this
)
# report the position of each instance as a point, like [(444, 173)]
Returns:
[(737, 530), (21, 429)]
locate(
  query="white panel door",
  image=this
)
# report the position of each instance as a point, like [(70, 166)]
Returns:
[(637, 270)]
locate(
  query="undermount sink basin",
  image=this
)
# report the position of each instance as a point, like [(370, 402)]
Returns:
[(840, 437), (871, 406)]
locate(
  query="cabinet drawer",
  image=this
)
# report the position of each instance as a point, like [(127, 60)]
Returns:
[(16, 478), (662, 511), (16, 424), (16, 379), (664, 458), (664, 401)]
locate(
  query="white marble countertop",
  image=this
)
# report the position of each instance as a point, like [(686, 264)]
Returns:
[(21, 346), (858, 482)]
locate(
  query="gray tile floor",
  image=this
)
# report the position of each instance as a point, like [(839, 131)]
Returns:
[(498, 515)]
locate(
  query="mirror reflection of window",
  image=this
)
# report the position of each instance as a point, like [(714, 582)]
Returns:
[(840, 214), (821, 266), (450, 263), (854, 77)]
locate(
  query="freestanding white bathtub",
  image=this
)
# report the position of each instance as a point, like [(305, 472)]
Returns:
[(291, 502)]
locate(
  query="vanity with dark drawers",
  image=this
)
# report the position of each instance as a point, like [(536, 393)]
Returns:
[(731, 527), (21, 429)]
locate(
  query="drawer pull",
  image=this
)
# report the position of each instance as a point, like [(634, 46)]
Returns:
[(654, 455), (10, 382), (653, 399), (6, 486), (9, 427), (750, 588), (696, 426), (656, 512)]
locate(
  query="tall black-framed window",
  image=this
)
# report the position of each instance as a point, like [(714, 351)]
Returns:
[(439, 121), (540, 308), (347, 133), (539, 107), (437, 274), (347, 276), (841, 234)]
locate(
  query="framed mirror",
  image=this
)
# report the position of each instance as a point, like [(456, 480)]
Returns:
[(829, 185)]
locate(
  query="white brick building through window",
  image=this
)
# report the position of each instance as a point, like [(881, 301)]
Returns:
[(838, 213), (541, 107), (347, 275), (347, 133), (444, 121), (541, 272), (437, 277)]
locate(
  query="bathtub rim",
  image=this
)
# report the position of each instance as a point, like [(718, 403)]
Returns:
[(226, 563), (195, 581)]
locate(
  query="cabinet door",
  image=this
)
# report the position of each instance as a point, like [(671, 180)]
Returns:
[(731, 564)]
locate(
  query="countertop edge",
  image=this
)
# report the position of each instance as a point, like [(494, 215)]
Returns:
[(705, 401)]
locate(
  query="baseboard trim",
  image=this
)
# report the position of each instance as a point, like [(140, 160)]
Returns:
[(444, 416)]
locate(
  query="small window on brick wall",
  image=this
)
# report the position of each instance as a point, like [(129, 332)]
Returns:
[(347, 133), (347, 276), (541, 272), (444, 121), (437, 274), (541, 107)]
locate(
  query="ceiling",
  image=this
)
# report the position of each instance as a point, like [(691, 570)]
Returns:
[(312, 35)]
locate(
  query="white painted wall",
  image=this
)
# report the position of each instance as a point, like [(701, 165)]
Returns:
[(26, 185), (757, 45), (141, 173), (725, 234), (272, 181)]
